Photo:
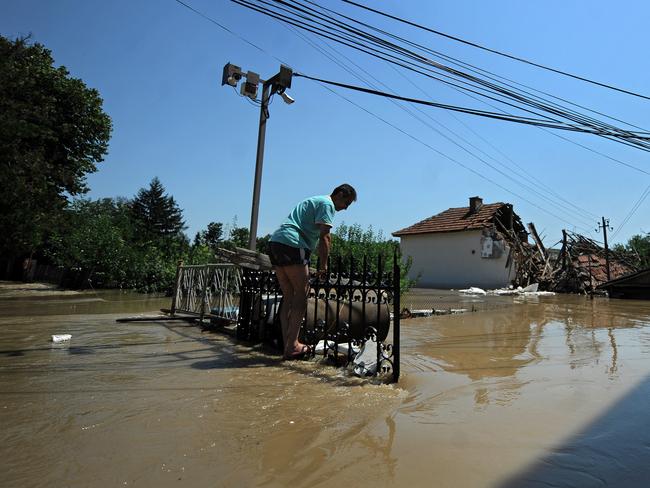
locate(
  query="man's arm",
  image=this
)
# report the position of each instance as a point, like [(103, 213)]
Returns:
[(324, 244)]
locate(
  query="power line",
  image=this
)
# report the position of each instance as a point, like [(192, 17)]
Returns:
[(304, 13), (336, 61), (220, 25), (411, 136), (617, 132), (344, 38), (296, 5), (494, 51), (633, 210), (482, 113), (464, 64), (587, 124), (288, 64), (523, 174)]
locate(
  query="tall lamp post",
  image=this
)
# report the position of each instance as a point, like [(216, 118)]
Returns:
[(276, 84)]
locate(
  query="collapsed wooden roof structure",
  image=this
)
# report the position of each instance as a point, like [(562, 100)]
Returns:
[(579, 267), (582, 265)]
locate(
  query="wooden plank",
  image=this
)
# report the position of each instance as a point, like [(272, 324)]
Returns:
[(538, 241), (246, 258)]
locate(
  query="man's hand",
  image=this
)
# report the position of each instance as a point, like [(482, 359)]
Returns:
[(322, 274)]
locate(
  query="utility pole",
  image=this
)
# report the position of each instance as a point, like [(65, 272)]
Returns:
[(276, 84), (604, 225)]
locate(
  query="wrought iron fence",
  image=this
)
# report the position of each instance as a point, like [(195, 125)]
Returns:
[(348, 317)]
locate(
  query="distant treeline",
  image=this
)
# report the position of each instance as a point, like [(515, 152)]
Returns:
[(137, 243)]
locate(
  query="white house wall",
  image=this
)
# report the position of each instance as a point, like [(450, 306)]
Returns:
[(453, 260)]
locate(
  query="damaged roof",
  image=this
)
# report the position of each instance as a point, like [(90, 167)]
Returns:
[(455, 219)]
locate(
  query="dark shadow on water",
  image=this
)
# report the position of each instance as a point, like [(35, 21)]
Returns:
[(80, 350), (234, 361), (613, 451)]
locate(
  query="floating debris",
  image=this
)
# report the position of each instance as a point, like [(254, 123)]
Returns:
[(58, 338), (473, 290), (530, 290)]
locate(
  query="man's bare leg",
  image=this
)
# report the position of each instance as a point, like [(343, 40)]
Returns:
[(285, 309), (298, 277)]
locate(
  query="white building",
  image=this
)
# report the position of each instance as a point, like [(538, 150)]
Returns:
[(463, 247)]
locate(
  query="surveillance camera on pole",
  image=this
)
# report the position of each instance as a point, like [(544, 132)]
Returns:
[(277, 84), (286, 97), (231, 75)]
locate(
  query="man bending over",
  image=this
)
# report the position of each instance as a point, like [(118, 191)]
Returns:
[(290, 248)]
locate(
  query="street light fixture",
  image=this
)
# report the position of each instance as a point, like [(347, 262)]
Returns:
[(276, 84)]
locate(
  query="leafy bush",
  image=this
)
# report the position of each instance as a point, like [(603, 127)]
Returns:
[(352, 241)]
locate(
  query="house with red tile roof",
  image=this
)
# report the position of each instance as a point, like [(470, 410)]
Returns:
[(464, 246)]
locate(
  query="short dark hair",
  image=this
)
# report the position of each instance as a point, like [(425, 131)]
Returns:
[(346, 190)]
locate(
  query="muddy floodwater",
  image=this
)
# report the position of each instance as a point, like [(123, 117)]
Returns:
[(547, 391)]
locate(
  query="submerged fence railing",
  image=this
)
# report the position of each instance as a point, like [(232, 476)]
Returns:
[(349, 317)]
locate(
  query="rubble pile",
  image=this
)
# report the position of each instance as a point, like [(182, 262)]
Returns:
[(582, 265), (579, 267)]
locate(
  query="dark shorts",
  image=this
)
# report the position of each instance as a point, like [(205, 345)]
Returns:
[(283, 255)]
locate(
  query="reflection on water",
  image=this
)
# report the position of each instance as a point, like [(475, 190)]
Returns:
[(488, 398)]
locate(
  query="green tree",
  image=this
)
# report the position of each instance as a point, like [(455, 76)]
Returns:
[(262, 244), (100, 239), (212, 236), (638, 246), (53, 132), (239, 236), (90, 237), (156, 214)]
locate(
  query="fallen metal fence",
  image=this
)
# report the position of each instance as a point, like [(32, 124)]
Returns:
[(208, 289)]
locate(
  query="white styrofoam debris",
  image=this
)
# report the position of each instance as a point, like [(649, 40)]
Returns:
[(365, 363), (57, 338), (473, 290), (529, 291), (343, 347)]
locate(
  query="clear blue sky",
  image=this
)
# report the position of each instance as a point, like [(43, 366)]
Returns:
[(158, 68)]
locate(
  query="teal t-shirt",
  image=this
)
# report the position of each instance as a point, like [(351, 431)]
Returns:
[(301, 227)]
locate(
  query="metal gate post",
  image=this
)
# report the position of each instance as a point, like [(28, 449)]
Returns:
[(177, 285), (206, 281), (396, 318)]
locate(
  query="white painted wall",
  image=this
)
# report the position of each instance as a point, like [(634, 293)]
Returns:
[(453, 260)]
